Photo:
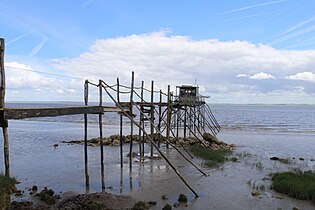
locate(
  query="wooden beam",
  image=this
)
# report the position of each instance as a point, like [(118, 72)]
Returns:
[(22, 113)]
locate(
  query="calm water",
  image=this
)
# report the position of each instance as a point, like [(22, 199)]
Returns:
[(264, 130)]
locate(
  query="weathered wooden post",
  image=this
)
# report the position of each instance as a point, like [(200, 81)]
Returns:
[(101, 132), (169, 111), (4, 122), (141, 146), (160, 119), (120, 128), (185, 120), (131, 115), (152, 116), (86, 99)]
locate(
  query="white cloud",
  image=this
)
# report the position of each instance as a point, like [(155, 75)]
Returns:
[(242, 75), (304, 76), (174, 60), (25, 84), (262, 75)]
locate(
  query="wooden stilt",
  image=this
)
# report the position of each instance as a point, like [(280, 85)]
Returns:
[(141, 139), (120, 128), (169, 111), (86, 98), (185, 122), (142, 119), (132, 121), (3, 121), (152, 117), (101, 134), (160, 119)]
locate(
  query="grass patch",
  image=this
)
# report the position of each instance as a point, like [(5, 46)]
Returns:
[(6, 183), (212, 157), (7, 186), (296, 184)]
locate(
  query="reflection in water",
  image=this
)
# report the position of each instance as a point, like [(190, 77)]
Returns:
[(130, 176), (121, 180)]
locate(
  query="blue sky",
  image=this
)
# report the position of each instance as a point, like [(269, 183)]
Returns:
[(258, 51)]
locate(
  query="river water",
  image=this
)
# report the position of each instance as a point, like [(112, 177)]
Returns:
[(259, 131)]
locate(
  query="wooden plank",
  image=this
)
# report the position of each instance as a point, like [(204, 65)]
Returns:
[(22, 113)]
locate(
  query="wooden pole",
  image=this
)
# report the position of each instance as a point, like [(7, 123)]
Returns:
[(131, 115), (152, 116), (4, 122), (160, 119), (185, 120), (168, 119), (141, 140), (101, 134), (120, 127), (86, 99)]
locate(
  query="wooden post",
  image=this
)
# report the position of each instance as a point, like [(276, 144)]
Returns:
[(101, 134), (141, 146), (190, 120), (177, 122), (86, 99), (168, 119), (4, 122), (160, 119), (131, 115), (152, 116), (185, 120), (120, 128)]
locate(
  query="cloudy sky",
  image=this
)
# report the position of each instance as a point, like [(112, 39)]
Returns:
[(245, 51)]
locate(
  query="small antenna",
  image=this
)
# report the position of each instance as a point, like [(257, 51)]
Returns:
[(195, 82)]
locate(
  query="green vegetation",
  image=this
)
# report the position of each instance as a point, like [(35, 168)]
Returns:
[(296, 184), (182, 198), (167, 207), (94, 205), (212, 157), (7, 186), (6, 183), (234, 159)]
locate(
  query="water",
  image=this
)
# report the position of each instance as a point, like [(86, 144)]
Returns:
[(285, 131)]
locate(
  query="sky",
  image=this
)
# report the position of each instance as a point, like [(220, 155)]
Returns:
[(245, 51)]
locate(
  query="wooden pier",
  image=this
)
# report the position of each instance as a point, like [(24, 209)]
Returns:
[(167, 115)]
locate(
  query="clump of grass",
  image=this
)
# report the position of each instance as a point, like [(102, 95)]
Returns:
[(212, 157), (167, 207), (234, 159), (6, 183), (296, 184), (7, 186), (182, 198)]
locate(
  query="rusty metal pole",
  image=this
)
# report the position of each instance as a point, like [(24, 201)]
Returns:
[(4, 122)]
